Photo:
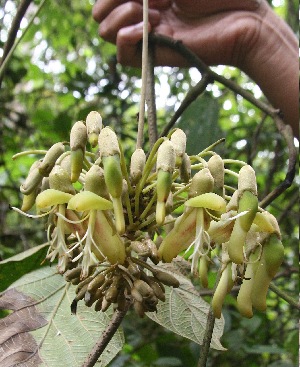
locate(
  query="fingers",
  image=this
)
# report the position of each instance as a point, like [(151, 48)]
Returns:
[(124, 15), (102, 8)]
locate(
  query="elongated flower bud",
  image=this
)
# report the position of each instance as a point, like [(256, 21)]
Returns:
[(247, 180), (216, 167), (33, 179), (29, 200), (59, 179), (110, 155), (178, 139), (137, 164), (93, 125), (78, 139), (244, 303), (185, 168), (165, 167), (224, 286), (271, 259), (202, 182), (247, 204), (108, 143), (180, 237), (50, 158)]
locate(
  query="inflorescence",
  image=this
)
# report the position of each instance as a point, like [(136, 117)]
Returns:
[(107, 224)]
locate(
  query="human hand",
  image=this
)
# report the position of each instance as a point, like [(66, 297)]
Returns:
[(217, 31)]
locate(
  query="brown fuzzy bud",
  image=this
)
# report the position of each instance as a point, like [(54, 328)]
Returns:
[(166, 278), (72, 274), (143, 288), (93, 125), (97, 281), (111, 294)]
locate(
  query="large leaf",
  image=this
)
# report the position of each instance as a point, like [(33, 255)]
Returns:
[(41, 331), (16, 266), (185, 313)]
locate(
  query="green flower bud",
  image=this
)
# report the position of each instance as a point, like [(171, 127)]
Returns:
[(59, 179), (178, 139), (216, 167), (244, 303), (94, 125), (202, 182), (271, 259), (29, 201), (33, 179), (180, 237), (50, 158), (95, 181), (108, 143), (203, 270), (185, 168), (247, 180), (78, 139), (224, 287), (137, 164), (247, 204), (165, 167)]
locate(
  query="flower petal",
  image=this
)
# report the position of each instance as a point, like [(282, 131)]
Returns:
[(87, 200), (208, 200), (52, 197)]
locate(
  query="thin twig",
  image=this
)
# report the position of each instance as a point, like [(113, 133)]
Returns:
[(150, 97), (5, 59), (192, 94), (208, 331), (107, 335), (15, 27), (290, 300), (140, 134)]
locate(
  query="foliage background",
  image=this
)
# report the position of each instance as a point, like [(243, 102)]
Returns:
[(61, 71)]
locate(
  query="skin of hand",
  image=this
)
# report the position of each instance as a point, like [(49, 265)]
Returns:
[(242, 33)]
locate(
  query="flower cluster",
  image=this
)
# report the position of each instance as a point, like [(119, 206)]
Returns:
[(107, 222)]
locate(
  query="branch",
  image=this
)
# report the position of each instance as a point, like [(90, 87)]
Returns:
[(284, 130), (110, 331), (290, 300), (192, 94), (12, 45), (150, 97), (208, 331), (14, 28)]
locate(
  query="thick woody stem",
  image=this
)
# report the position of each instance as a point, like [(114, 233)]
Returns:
[(110, 331)]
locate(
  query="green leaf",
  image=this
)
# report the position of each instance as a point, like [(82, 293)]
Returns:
[(42, 321), (185, 313), (16, 266), (200, 123)]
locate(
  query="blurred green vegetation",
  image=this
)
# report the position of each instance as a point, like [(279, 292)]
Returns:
[(61, 71)]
